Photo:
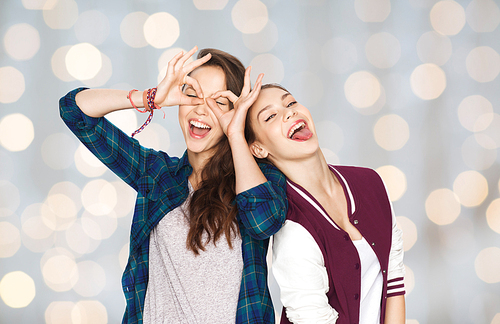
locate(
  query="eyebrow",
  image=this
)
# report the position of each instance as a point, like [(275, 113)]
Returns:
[(269, 106)]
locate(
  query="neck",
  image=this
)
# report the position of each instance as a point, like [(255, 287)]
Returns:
[(311, 173), (197, 161)]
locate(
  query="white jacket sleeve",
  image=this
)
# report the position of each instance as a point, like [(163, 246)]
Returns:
[(299, 269), (396, 270)]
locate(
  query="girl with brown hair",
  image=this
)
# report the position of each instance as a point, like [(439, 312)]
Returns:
[(201, 224)]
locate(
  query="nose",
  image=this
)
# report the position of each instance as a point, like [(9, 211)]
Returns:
[(202, 109), (290, 112)]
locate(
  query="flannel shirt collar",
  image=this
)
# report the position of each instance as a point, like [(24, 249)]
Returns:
[(184, 163)]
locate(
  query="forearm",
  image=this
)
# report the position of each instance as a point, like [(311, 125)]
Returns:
[(395, 310), (99, 102), (247, 171)]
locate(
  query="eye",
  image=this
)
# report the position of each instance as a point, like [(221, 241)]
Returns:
[(269, 118), (220, 103), (291, 104), (192, 95)]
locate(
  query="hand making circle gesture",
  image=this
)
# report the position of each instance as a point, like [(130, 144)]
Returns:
[(169, 90), (232, 122)]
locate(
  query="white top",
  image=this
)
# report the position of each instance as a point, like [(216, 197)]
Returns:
[(188, 288), (299, 269)]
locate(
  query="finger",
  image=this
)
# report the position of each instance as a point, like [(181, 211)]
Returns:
[(181, 61), (193, 65), (214, 107), (246, 82), (259, 79), (255, 94), (225, 94), (173, 61), (193, 83)]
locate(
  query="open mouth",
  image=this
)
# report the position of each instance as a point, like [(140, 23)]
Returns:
[(198, 129), (299, 131)]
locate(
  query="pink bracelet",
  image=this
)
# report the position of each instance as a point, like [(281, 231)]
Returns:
[(148, 98), (129, 97)]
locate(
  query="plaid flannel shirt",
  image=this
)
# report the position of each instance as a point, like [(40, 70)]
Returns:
[(161, 183)]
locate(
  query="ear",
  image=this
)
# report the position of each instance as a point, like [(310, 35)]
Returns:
[(258, 151)]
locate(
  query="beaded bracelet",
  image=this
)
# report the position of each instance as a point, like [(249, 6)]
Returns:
[(148, 98)]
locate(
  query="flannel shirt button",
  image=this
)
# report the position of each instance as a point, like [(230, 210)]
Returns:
[(148, 191)]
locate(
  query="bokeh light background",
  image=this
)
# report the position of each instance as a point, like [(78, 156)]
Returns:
[(408, 87)]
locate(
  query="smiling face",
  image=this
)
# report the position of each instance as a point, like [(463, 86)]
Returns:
[(199, 125), (283, 128)]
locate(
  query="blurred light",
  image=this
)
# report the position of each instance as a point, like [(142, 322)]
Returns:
[(59, 312), (330, 135), (59, 66), (411, 321), (102, 76), (89, 311), (99, 197), (330, 156), (36, 4), (59, 271), (487, 265), (86, 162), (493, 215), (91, 281), (362, 89), (391, 132), (490, 137), (394, 179), (409, 280), (59, 212), (92, 27), (476, 156), (58, 151), (21, 41), (264, 40), (161, 30), (126, 196), (428, 81), (471, 187), (125, 119), (433, 47), (17, 289), (123, 256), (447, 17), (483, 64), (249, 16), (16, 132), (442, 206), (132, 29), (83, 61), (210, 4), (270, 65), (307, 88), (10, 240), (376, 107), (78, 240), (339, 55), (9, 198), (12, 84), (372, 10), (409, 231), (470, 110), (99, 227), (496, 319), (154, 136), (483, 16), (383, 50), (32, 223), (60, 14)]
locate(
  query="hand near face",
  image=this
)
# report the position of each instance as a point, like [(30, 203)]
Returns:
[(232, 122), (169, 91)]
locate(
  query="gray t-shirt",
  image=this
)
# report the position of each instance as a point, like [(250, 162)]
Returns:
[(188, 288)]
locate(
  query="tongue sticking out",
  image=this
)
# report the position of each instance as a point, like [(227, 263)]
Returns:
[(199, 131), (302, 134)]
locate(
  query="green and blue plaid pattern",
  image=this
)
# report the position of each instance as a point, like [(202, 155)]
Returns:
[(161, 184)]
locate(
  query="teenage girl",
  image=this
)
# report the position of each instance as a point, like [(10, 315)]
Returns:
[(339, 256), (201, 223)]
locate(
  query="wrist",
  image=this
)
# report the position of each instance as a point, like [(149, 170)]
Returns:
[(236, 138)]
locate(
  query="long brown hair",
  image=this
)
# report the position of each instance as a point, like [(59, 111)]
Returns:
[(211, 209)]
